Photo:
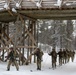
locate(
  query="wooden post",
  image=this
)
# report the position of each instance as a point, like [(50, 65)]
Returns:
[(35, 39), (0, 36), (37, 34), (28, 44), (7, 32), (20, 57), (23, 41), (0, 31), (3, 29), (31, 42)]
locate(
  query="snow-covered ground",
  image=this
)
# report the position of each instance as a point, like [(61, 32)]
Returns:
[(65, 69)]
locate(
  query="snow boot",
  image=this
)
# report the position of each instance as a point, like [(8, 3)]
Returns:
[(8, 69)]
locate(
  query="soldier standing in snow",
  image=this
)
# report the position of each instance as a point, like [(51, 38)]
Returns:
[(60, 53), (39, 55), (12, 59), (65, 56), (54, 58), (73, 55)]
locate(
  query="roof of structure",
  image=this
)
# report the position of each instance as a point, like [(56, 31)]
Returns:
[(47, 9)]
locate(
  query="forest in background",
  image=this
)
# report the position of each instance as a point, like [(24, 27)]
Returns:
[(57, 33)]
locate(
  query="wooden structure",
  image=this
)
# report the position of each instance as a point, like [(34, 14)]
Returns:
[(21, 11)]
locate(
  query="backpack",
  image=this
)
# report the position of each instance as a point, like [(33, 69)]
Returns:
[(11, 55)]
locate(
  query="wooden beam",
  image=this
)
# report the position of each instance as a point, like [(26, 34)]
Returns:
[(55, 11), (31, 37), (3, 45), (9, 39), (23, 38), (39, 14), (25, 46)]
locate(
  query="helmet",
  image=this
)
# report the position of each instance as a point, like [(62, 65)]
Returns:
[(38, 49)]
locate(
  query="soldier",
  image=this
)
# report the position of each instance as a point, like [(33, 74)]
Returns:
[(54, 58), (11, 59), (65, 56), (69, 55), (39, 55), (60, 53), (73, 55)]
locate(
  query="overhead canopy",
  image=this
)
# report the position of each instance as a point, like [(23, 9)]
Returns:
[(49, 9)]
